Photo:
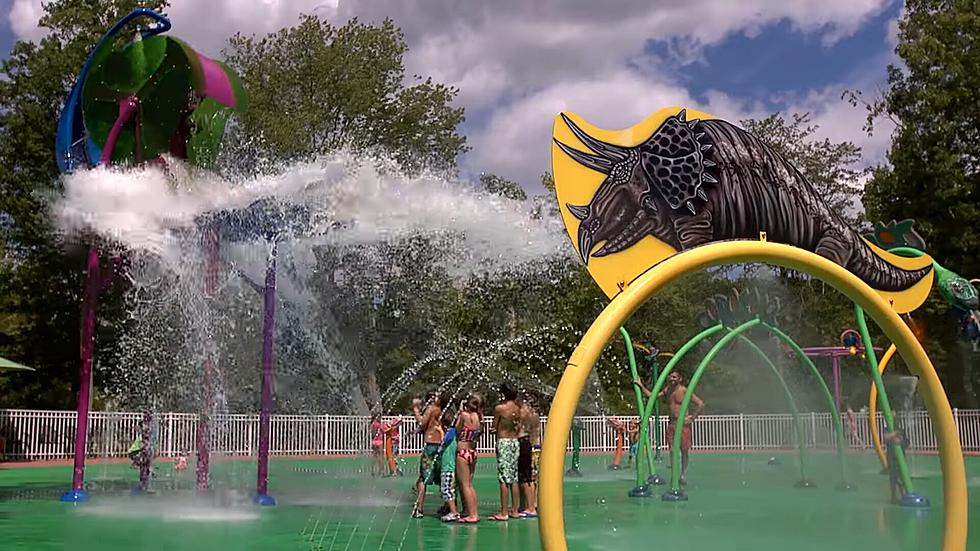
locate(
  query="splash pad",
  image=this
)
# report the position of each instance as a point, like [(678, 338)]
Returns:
[(343, 212), (683, 199)]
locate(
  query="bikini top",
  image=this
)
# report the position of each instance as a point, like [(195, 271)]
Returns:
[(469, 435)]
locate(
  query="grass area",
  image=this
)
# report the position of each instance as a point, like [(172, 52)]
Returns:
[(736, 502)]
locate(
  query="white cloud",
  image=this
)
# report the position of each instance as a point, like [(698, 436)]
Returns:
[(518, 63), (23, 18)]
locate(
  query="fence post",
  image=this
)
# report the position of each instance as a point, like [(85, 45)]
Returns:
[(170, 434), (325, 430), (741, 431), (813, 428)]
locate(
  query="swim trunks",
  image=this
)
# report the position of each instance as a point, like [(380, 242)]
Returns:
[(508, 451)]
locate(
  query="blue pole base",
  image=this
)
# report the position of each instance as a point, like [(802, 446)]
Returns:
[(846, 487), (264, 500), (641, 491), (674, 495), (805, 483), (75, 496), (574, 473), (656, 480), (914, 500)]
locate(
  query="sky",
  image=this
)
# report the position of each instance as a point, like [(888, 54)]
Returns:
[(518, 63)]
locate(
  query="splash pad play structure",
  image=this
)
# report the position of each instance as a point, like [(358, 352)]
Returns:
[(673, 195), (630, 250), (129, 105)]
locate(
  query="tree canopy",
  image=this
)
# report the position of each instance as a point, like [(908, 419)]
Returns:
[(316, 87)]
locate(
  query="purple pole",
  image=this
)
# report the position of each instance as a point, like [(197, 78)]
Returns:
[(262, 496), (211, 266), (835, 359), (93, 285)]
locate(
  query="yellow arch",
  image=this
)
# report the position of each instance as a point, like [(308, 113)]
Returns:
[(873, 408), (552, 522)]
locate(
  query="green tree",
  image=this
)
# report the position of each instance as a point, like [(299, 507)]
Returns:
[(315, 87), (40, 279), (934, 97), (501, 186), (828, 165), (933, 170)]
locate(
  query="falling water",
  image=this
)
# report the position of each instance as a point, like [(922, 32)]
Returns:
[(335, 208)]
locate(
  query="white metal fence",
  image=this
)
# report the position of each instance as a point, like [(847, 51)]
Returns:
[(30, 435)]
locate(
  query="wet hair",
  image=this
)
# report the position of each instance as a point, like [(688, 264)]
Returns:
[(447, 417), (442, 400), (474, 402), (508, 392), (530, 398)]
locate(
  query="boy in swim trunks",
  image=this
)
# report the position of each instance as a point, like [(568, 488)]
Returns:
[(633, 434), (447, 469), (529, 438), (894, 441), (429, 425), (506, 418)]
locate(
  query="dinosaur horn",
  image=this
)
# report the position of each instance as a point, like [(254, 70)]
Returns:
[(609, 151), (596, 163), (578, 211)]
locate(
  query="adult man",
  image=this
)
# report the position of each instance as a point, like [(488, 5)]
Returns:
[(506, 421), (673, 393), (529, 440), (428, 424)]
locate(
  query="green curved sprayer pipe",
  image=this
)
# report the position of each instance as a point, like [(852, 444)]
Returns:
[(678, 356), (655, 372), (832, 406), (675, 448), (886, 410), (643, 444), (800, 443)]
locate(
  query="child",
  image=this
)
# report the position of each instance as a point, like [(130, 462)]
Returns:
[(427, 415), (468, 427), (393, 433), (446, 467), (377, 445), (633, 433), (894, 440)]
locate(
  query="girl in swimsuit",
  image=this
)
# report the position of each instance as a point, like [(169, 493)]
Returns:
[(377, 446), (468, 427)]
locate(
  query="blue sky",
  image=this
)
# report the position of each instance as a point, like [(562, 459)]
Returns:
[(6, 35), (517, 63), (781, 60)]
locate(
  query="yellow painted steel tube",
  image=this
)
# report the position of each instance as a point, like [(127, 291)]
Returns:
[(552, 522), (873, 409)]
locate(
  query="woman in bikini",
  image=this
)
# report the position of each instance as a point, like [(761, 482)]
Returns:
[(468, 428)]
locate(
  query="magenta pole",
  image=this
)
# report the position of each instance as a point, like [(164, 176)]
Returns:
[(127, 107), (211, 267), (93, 285), (262, 496), (836, 367)]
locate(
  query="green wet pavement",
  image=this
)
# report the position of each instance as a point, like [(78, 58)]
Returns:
[(736, 502)]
